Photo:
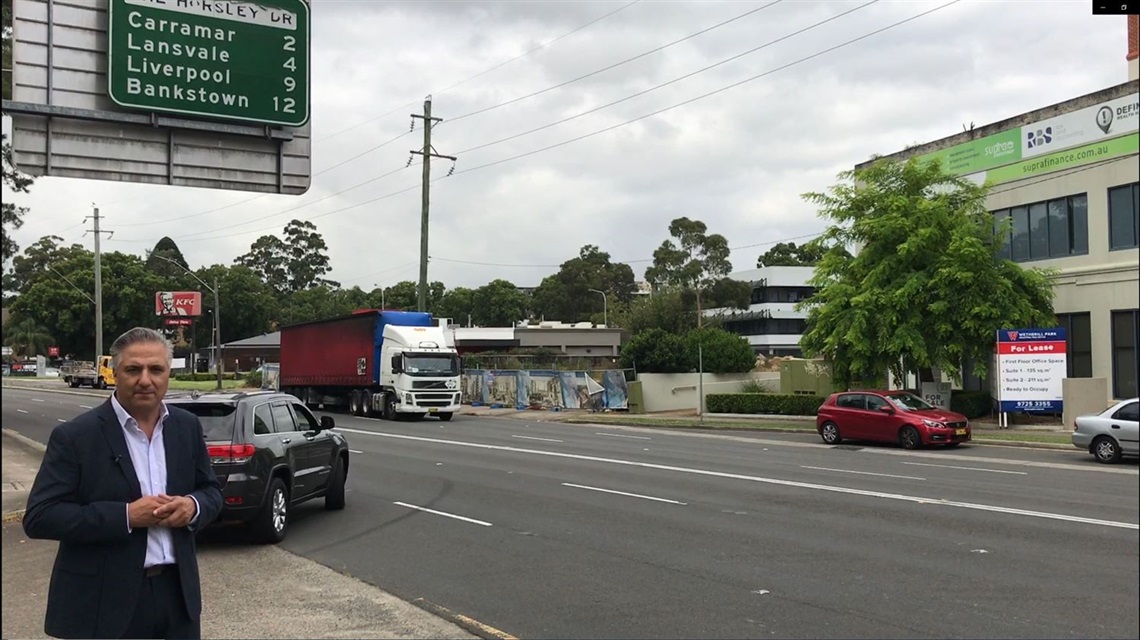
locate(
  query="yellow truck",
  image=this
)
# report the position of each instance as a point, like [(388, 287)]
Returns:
[(79, 373)]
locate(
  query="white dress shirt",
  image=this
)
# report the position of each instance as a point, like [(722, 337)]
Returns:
[(148, 455)]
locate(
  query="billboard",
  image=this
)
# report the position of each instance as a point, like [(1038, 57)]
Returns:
[(1031, 365), (178, 303)]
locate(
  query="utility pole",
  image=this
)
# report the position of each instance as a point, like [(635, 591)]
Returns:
[(98, 231), (428, 153)]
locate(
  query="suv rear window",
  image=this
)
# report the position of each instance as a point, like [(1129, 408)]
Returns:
[(217, 418)]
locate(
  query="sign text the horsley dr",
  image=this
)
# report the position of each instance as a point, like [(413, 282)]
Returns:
[(219, 59)]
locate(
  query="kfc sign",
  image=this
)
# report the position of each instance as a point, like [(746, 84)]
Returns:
[(178, 303), (53, 352)]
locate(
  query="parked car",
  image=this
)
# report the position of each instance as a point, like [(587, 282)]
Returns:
[(1111, 434), (889, 416), (269, 453)]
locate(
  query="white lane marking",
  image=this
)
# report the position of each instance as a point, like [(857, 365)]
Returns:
[(863, 473), (617, 435), (534, 438), (621, 493), (61, 420), (21, 410), (1006, 461), (354, 451), (443, 513), (773, 481), (950, 466), (36, 400), (84, 406)]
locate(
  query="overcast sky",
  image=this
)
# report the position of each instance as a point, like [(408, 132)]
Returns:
[(738, 160)]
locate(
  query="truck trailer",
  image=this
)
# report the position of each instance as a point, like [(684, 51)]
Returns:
[(373, 363)]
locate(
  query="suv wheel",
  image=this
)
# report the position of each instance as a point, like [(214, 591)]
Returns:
[(334, 496), (271, 523)]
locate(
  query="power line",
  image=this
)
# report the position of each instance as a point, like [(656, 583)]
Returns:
[(485, 72), (616, 64), (673, 81), (711, 93), (628, 122), (388, 113)]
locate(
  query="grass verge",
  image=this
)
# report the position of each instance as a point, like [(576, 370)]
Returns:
[(204, 385), (690, 423), (1048, 438)]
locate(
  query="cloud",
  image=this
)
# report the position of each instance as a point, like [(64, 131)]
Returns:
[(738, 160)]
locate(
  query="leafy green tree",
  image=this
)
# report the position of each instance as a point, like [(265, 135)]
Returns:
[(727, 293), (657, 351), (11, 216), (667, 310), (695, 261), (249, 306), (156, 260), (457, 304), (404, 296), (720, 350), (293, 263), (927, 288), (26, 337), (499, 303), (567, 295)]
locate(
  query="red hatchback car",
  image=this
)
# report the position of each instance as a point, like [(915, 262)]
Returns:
[(889, 416)]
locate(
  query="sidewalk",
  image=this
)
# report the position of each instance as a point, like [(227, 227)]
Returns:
[(243, 586)]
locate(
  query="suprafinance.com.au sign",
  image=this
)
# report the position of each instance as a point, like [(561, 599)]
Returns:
[(223, 59), (1092, 134)]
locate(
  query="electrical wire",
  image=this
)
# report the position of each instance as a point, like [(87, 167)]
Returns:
[(711, 93), (665, 84), (614, 65)]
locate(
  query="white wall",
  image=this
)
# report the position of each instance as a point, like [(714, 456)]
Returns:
[(677, 391)]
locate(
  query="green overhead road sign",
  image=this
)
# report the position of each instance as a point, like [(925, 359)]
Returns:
[(218, 59)]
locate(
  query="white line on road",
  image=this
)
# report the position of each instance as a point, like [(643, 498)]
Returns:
[(21, 410), (772, 481), (1006, 461), (61, 420), (863, 473), (534, 438), (950, 466), (442, 513), (84, 406), (621, 493), (616, 435), (354, 451), (36, 400)]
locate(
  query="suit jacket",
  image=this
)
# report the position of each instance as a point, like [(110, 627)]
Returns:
[(79, 498)]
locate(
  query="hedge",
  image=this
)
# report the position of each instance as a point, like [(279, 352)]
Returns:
[(972, 404), (761, 403), (204, 377)]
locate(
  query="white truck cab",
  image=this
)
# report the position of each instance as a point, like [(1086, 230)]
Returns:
[(419, 372)]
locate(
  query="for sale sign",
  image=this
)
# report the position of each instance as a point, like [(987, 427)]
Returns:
[(1031, 365), (178, 303)]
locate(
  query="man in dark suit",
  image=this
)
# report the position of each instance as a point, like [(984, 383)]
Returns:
[(122, 487)]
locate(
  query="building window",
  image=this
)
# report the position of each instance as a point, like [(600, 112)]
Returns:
[(761, 295), (1078, 331), (1125, 357), (1124, 217), (1042, 230), (767, 326)]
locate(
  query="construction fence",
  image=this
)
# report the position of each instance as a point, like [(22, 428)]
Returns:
[(598, 390)]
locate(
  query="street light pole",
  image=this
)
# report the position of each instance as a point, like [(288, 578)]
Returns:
[(217, 315), (605, 307)]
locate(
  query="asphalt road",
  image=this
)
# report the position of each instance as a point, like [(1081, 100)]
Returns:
[(543, 529)]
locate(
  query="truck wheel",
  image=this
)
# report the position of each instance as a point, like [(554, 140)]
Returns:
[(389, 407), (444, 417), (354, 403)]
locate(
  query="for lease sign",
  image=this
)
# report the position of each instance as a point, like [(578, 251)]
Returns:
[(1031, 365)]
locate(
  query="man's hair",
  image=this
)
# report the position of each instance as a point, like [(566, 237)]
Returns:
[(139, 335)]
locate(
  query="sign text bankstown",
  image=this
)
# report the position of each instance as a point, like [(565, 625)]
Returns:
[(226, 59)]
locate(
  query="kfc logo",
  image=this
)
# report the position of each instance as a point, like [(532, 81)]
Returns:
[(178, 303)]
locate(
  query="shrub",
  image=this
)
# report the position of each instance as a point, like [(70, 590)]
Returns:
[(764, 403), (972, 404), (253, 379), (723, 352), (203, 377)]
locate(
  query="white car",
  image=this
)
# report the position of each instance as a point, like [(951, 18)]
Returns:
[(1110, 434)]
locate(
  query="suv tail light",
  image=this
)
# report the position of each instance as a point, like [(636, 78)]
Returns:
[(230, 453)]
